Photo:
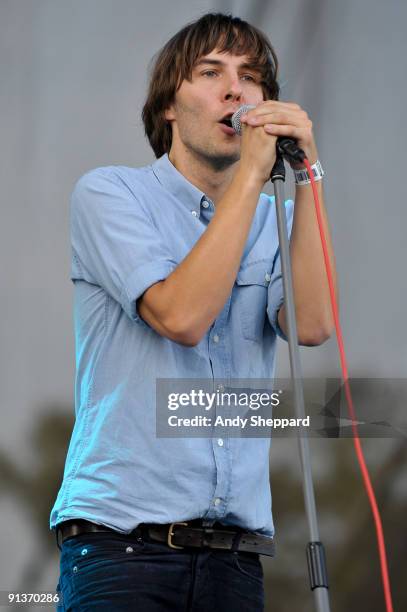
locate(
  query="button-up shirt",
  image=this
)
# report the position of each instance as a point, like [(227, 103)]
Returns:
[(130, 228)]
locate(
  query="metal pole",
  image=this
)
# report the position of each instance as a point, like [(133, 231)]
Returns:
[(315, 549)]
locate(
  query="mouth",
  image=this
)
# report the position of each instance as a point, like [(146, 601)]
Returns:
[(226, 124)]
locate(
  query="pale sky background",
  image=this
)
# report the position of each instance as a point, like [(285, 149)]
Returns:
[(73, 79)]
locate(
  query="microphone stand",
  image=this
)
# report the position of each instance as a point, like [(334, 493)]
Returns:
[(315, 551)]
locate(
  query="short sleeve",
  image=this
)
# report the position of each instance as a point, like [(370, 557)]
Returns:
[(275, 296), (115, 243)]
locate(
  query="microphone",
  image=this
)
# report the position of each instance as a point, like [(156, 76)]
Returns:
[(285, 146)]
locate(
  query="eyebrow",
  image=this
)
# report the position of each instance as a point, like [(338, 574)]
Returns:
[(215, 62)]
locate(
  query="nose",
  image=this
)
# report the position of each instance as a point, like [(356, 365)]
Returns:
[(233, 89)]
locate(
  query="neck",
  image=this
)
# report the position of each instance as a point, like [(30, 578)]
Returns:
[(201, 173)]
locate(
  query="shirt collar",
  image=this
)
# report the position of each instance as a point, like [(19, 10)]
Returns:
[(192, 197)]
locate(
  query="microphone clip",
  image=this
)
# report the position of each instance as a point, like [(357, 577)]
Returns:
[(288, 148)]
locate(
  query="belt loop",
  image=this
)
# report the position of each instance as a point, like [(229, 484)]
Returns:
[(57, 532), (141, 532), (236, 541)]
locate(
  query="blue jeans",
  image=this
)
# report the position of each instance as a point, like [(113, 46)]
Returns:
[(120, 573)]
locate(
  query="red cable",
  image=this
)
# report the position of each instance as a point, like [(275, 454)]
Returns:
[(356, 440)]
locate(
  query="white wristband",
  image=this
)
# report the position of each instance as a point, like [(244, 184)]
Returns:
[(302, 176)]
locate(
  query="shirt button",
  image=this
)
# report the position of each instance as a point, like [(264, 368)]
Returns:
[(216, 338), (220, 442), (205, 204), (267, 277), (217, 501), (194, 213)]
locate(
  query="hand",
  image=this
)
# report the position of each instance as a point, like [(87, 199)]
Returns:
[(284, 119)]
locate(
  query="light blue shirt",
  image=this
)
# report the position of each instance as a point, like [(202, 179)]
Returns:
[(130, 228)]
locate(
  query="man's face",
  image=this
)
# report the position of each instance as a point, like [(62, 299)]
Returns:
[(220, 84)]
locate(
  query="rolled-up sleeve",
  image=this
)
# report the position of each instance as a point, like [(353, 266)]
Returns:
[(275, 296), (115, 243)]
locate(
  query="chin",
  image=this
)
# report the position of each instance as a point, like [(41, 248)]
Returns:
[(221, 159)]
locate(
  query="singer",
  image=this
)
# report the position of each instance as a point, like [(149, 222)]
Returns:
[(177, 275)]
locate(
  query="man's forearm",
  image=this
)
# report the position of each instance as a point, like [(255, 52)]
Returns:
[(311, 291), (195, 293)]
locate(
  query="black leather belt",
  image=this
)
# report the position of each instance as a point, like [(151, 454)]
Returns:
[(180, 535)]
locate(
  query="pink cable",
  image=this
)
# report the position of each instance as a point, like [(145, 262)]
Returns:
[(356, 439)]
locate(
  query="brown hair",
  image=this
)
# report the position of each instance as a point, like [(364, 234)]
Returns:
[(179, 55)]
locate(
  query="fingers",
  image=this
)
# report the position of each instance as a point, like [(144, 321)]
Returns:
[(280, 113), (297, 119), (286, 130), (278, 104), (282, 119)]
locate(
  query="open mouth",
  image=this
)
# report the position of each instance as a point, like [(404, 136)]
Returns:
[(227, 120), (227, 123)]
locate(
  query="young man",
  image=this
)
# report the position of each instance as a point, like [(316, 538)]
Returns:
[(177, 275)]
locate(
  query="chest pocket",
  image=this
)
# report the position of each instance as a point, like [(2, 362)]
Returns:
[(251, 297)]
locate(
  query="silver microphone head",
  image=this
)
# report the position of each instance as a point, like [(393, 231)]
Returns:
[(235, 120)]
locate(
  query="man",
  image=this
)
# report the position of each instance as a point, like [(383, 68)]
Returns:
[(177, 275)]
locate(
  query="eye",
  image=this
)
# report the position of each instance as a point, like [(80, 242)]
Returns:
[(249, 77), (209, 72)]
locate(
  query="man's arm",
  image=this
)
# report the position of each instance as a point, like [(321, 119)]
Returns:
[(310, 284), (185, 304)]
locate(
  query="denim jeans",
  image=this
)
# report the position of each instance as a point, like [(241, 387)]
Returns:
[(120, 573)]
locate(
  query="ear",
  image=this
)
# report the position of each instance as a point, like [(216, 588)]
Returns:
[(169, 113)]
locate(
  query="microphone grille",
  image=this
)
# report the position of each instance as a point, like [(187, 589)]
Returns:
[(235, 120)]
